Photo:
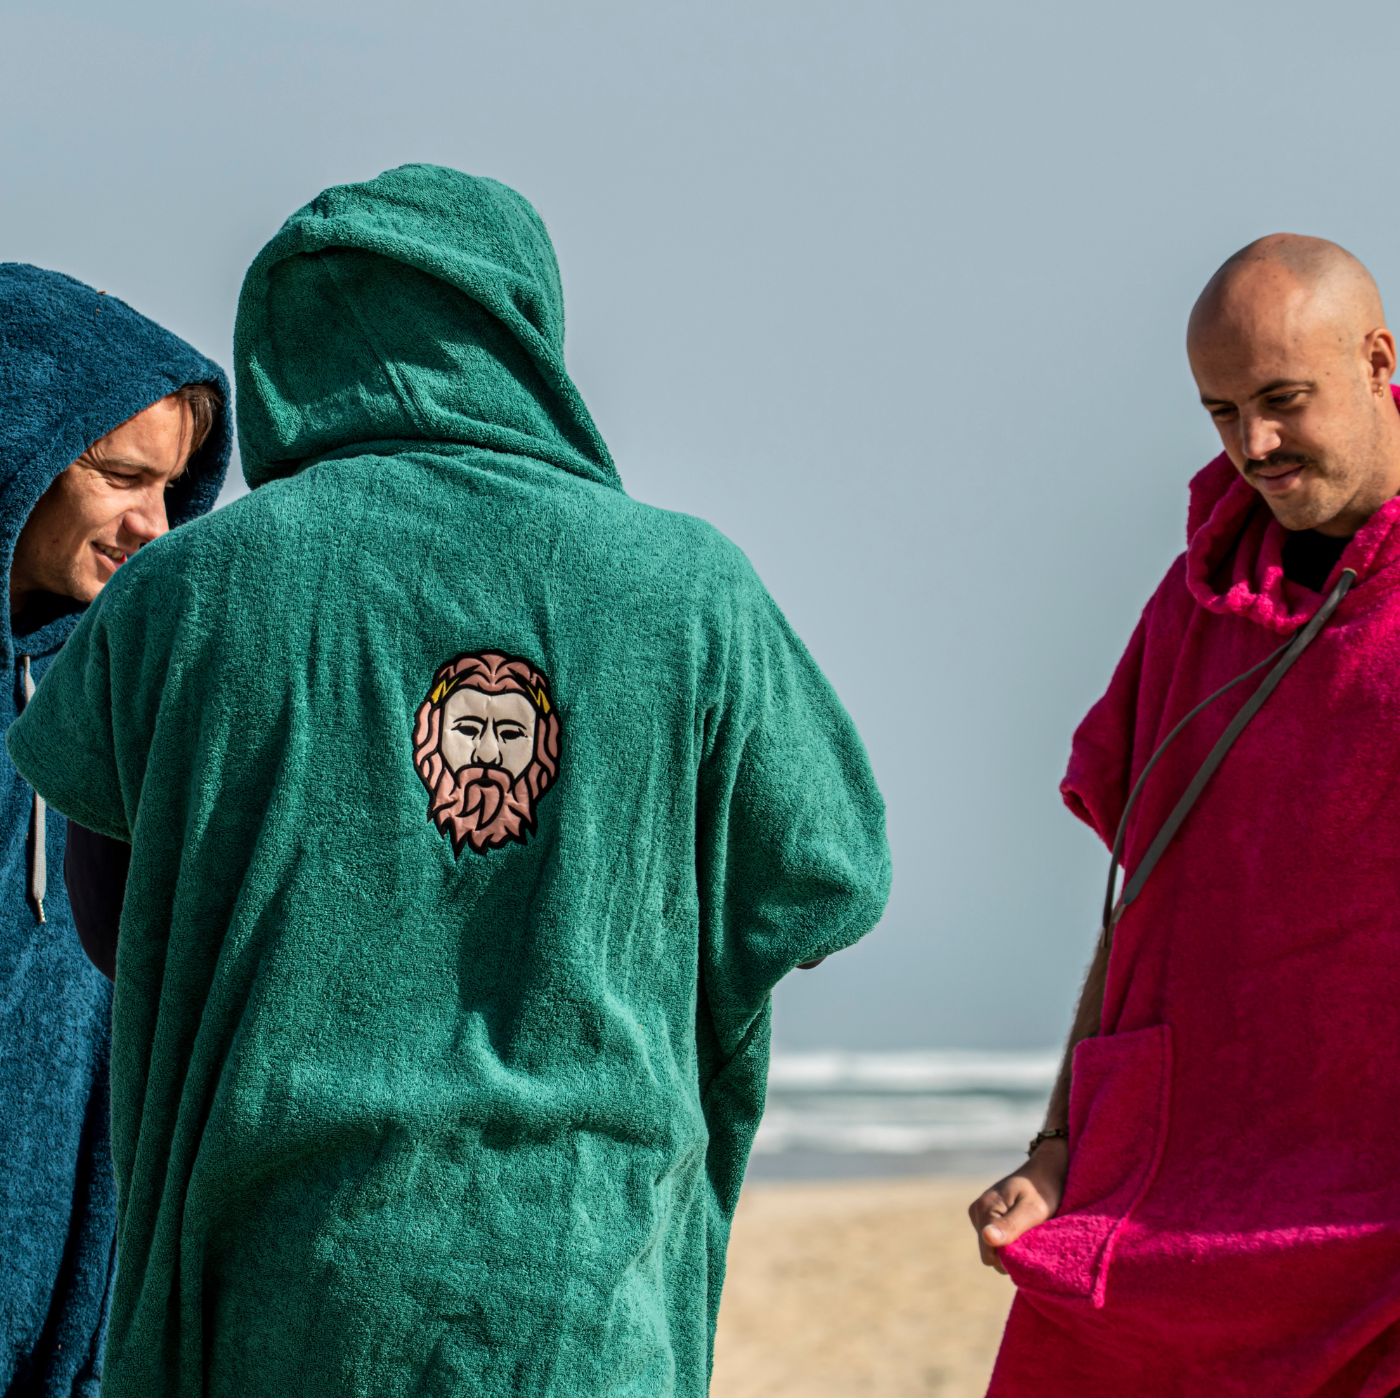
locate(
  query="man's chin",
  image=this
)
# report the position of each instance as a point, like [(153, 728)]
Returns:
[(1301, 511), (77, 590)]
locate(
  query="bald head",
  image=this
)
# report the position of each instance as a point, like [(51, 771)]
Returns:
[(1293, 361), (1289, 275)]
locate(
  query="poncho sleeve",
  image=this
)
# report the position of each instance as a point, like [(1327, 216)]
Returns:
[(1096, 785), (792, 860), (64, 742)]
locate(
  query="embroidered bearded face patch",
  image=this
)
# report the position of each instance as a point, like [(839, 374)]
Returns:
[(486, 745)]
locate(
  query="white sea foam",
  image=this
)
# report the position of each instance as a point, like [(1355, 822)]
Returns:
[(942, 1070), (904, 1104)]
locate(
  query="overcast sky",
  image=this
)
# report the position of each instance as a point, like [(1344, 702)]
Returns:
[(893, 293)]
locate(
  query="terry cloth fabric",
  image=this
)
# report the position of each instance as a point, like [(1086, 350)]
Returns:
[(475, 811), (1231, 1220), (74, 364)]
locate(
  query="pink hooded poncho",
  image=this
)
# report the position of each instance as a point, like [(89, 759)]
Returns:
[(1231, 1221)]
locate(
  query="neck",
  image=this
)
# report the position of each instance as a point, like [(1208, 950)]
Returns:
[(1389, 447), (31, 610), (1388, 457)]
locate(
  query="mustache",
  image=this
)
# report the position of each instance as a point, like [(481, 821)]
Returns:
[(477, 778), (1276, 459)]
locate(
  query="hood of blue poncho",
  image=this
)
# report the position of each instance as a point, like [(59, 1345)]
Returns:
[(76, 363)]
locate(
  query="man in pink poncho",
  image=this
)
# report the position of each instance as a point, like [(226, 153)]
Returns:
[(1216, 1207)]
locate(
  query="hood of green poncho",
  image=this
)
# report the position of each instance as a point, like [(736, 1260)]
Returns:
[(421, 306)]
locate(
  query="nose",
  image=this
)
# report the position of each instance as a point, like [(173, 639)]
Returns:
[(488, 751), (147, 520), (1260, 437)]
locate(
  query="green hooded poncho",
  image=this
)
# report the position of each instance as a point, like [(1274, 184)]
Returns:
[(475, 811)]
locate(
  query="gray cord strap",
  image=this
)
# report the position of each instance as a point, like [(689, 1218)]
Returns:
[(1120, 838), (1283, 658)]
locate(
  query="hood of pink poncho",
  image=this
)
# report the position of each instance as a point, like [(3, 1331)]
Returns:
[(1234, 554)]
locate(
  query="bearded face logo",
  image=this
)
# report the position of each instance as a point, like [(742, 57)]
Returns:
[(486, 745)]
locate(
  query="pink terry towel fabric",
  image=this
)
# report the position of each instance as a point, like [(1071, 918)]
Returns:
[(1231, 1224)]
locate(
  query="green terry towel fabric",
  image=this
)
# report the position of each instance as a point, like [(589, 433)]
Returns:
[(476, 809)]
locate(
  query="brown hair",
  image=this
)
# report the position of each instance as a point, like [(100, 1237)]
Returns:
[(204, 403)]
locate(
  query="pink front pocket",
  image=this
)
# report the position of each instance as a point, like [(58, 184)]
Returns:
[(1117, 1125)]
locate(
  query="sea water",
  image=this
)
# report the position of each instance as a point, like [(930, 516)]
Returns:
[(836, 1113)]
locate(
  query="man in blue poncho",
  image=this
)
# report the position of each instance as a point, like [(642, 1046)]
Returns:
[(112, 430)]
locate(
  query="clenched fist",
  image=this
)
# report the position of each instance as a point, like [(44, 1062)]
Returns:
[(1021, 1201)]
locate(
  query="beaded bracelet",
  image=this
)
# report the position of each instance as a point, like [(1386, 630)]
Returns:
[(1045, 1135)]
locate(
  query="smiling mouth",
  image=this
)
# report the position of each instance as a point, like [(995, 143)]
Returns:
[(1278, 480), (115, 557)]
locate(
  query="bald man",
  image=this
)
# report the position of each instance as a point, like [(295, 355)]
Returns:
[(1213, 1204)]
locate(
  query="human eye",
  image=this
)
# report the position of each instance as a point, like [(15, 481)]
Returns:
[(1288, 399), (1221, 411)]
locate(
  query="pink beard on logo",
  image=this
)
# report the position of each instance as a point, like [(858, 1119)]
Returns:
[(483, 807)]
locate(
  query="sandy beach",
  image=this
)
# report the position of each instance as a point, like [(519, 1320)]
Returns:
[(857, 1288)]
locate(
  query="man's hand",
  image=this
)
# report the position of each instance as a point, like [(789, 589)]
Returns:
[(1021, 1201), (1029, 1197)]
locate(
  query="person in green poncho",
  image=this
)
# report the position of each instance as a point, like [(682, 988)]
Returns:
[(475, 809)]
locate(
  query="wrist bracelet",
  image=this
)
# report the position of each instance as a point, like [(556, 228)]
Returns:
[(1045, 1135)]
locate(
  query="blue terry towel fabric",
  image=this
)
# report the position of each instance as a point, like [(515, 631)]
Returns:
[(74, 364)]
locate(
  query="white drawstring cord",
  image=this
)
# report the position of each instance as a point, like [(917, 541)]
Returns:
[(38, 858)]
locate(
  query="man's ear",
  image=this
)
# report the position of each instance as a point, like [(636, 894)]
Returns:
[(1380, 354)]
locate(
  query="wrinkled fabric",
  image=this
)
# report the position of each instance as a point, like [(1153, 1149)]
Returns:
[(74, 364), (427, 1081), (1231, 1220)]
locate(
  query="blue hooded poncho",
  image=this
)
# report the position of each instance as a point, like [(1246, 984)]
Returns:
[(74, 364)]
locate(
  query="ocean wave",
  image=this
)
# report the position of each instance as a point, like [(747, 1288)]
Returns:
[(946, 1070), (776, 1135), (904, 1104)]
